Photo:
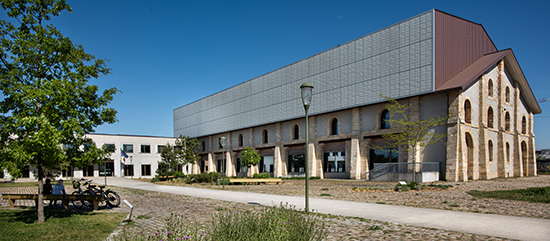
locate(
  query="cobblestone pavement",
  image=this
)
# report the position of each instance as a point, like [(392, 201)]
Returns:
[(151, 209)]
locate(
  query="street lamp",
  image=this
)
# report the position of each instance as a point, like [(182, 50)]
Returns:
[(222, 142), (307, 88)]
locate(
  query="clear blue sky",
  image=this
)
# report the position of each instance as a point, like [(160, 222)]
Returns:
[(165, 54)]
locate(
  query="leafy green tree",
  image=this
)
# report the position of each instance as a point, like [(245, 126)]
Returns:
[(409, 132), (47, 106), (184, 151), (249, 157)]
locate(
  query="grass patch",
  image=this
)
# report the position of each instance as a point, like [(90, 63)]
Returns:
[(19, 184), (59, 225), (535, 194)]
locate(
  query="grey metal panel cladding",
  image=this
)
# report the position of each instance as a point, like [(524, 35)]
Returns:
[(396, 61)]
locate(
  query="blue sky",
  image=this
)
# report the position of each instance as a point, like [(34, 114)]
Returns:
[(165, 54)]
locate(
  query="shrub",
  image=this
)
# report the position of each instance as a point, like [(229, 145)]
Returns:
[(261, 175), (155, 179)]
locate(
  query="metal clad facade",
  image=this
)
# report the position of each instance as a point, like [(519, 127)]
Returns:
[(395, 61), (458, 44)]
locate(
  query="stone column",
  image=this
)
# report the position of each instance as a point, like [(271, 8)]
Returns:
[(532, 166), (277, 161), (354, 159), (518, 166), (229, 168), (453, 167), (482, 167), (210, 163), (501, 159)]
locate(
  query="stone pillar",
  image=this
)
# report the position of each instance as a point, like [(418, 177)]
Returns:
[(229, 168), (453, 167), (532, 166), (321, 154), (277, 161), (210, 163), (354, 159), (482, 167), (364, 154), (501, 156), (518, 166)]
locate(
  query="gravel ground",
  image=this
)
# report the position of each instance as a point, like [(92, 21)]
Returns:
[(153, 208)]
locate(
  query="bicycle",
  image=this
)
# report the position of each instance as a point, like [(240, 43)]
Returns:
[(109, 196)]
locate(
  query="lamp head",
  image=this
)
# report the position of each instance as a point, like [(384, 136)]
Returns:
[(223, 141), (307, 89)]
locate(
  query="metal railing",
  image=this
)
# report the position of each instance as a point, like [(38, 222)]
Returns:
[(402, 167)]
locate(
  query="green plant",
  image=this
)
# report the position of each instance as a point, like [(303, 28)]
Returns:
[(325, 195), (155, 179), (535, 194), (261, 175)]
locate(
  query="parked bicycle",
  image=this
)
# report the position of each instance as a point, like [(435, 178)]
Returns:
[(109, 196)]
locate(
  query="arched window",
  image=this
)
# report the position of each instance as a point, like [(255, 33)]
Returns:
[(203, 146), (490, 117), (507, 121), (523, 125), (334, 127), (240, 140), (265, 137), (507, 92), (467, 111), (490, 150), (384, 118), (296, 132), (490, 88), (507, 152)]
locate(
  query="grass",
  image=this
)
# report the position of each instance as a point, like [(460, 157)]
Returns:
[(59, 225), (283, 222), (19, 184), (535, 194)]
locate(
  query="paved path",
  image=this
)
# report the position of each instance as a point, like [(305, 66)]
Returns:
[(511, 227)]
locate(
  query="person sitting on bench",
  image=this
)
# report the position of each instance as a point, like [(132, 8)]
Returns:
[(58, 189)]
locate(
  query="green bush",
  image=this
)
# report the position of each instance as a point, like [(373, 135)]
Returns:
[(179, 174), (283, 222), (260, 175), (202, 178)]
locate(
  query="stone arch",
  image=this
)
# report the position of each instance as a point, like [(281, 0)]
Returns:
[(468, 111), (240, 140), (507, 121), (295, 132), (523, 125), (490, 88), (265, 136), (470, 159), (490, 117), (333, 126)]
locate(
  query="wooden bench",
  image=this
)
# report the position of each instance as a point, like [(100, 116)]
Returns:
[(256, 180), (64, 198)]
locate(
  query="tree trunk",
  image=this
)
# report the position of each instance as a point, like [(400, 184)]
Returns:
[(40, 202)]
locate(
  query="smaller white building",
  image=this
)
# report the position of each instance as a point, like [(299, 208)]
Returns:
[(141, 159)]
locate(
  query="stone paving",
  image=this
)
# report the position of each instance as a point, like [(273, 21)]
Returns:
[(151, 209)]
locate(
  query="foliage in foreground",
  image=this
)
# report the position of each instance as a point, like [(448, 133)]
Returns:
[(534, 194), (59, 225), (270, 223)]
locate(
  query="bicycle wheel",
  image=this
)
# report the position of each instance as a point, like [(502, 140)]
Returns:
[(77, 203), (113, 199), (88, 203)]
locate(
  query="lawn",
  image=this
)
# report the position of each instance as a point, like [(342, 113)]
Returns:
[(19, 184), (59, 225), (535, 194)]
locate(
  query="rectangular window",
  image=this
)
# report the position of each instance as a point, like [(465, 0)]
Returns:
[(296, 163), (146, 169), (379, 157), (129, 170), (128, 148), (88, 171), (145, 148), (335, 162), (110, 147), (159, 148)]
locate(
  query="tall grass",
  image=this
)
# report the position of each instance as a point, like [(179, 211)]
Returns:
[(282, 222), (534, 194)]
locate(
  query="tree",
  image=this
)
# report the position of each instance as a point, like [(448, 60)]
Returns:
[(249, 157), (47, 105), (410, 132), (183, 152)]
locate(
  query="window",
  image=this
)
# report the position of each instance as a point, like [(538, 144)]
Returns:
[(335, 162), (129, 170), (524, 125), (68, 172), (145, 148), (110, 147), (384, 118), (241, 140), (507, 152), (296, 163), (507, 121), (507, 94), (490, 150), (296, 132), (146, 169), (203, 146), (128, 148), (265, 137), (490, 117), (468, 112), (334, 127), (159, 148), (88, 171), (490, 88)]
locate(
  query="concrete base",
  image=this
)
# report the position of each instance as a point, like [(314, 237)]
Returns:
[(420, 177)]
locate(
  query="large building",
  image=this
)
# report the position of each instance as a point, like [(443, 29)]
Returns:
[(438, 63)]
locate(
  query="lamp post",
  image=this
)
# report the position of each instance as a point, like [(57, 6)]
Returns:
[(307, 89), (222, 142)]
